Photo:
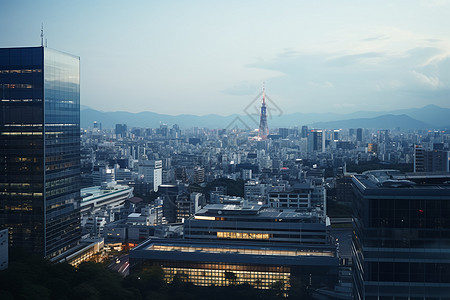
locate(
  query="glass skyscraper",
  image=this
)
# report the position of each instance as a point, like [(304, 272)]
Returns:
[(401, 236), (40, 149)]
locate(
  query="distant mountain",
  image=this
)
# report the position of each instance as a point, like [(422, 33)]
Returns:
[(382, 122), (430, 116)]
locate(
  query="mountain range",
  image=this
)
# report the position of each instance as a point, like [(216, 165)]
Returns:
[(427, 117)]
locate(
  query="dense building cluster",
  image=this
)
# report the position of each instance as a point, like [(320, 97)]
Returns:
[(271, 209)]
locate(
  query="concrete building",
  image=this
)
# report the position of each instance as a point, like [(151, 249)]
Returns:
[(150, 171), (435, 160), (251, 222), (304, 196)]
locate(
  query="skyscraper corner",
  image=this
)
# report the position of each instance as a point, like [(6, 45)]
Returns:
[(40, 149)]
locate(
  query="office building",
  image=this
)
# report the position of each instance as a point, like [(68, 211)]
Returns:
[(359, 135), (150, 171), (246, 244), (401, 236), (251, 222), (435, 160), (199, 175), (40, 149), (121, 130), (317, 140), (302, 196), (262, 266)]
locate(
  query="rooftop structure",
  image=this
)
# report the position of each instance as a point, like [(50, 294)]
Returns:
[(98, 197)]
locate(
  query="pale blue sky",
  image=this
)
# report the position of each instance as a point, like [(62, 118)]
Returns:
[(201, 57)]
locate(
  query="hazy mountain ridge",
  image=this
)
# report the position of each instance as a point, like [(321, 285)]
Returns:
[(381, 122), (430, 116)]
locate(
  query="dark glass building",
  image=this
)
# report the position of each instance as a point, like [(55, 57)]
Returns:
[(401, 236), (40, 149)]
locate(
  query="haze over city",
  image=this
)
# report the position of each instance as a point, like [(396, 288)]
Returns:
[(205, 57)]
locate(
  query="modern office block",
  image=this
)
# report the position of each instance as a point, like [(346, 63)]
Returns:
[(359, 134), (40, 149), (401, 236), (222, 263), (317, 140), (435, 160), (252, 222), (150, 171)]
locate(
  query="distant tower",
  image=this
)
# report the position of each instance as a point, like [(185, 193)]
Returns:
[(263, 131)]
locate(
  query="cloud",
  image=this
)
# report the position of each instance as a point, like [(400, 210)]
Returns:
[(242, 88), (375, 38), (344, 60), (430, 81), (379, 72), (323, 85), (435, 3)]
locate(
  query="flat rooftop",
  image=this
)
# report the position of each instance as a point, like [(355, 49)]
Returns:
[(395, 182), (235, 252), (95, 192), (255, 210)]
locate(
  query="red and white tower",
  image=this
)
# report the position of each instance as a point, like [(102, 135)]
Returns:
[(263, 131)]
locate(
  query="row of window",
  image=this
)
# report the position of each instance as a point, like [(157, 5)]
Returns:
[(207, 277), (20, 71), (16, 86)]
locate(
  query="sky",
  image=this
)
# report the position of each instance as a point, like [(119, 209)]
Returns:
[(213, 57)]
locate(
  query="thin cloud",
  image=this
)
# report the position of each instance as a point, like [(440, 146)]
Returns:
[(430, 81)]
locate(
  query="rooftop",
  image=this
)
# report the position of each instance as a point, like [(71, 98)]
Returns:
[(235, 252), (95, 192), (210, 211), (393, 182)]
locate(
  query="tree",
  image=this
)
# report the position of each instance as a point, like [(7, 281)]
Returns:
[(230, 277)]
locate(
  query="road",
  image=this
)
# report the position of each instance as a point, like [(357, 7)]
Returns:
[(121, 265)]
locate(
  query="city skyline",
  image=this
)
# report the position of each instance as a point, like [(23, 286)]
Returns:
[(202, 58)]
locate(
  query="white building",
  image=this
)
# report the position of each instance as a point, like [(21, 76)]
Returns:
[(150, 171)]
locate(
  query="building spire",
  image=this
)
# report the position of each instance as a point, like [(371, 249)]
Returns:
[(263, 131), (264, 94), (42, 34)]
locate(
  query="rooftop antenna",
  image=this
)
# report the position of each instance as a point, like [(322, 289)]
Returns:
[(42, 34), (45, 42), (264, 93)]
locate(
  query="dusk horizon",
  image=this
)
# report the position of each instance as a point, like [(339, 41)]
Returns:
[(202, 58)]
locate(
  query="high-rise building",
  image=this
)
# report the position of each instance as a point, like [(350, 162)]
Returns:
[(359, 134), (317, 138), (150, 171), (284, 132), (121, 129), (435, 160), (304, 131), (40, 149), (401, 240)]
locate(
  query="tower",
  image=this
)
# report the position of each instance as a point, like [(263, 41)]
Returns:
[(263, 131), (40, 149)]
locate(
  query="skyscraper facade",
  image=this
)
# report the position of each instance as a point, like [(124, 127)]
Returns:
[(40, 149), (401, 236)]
